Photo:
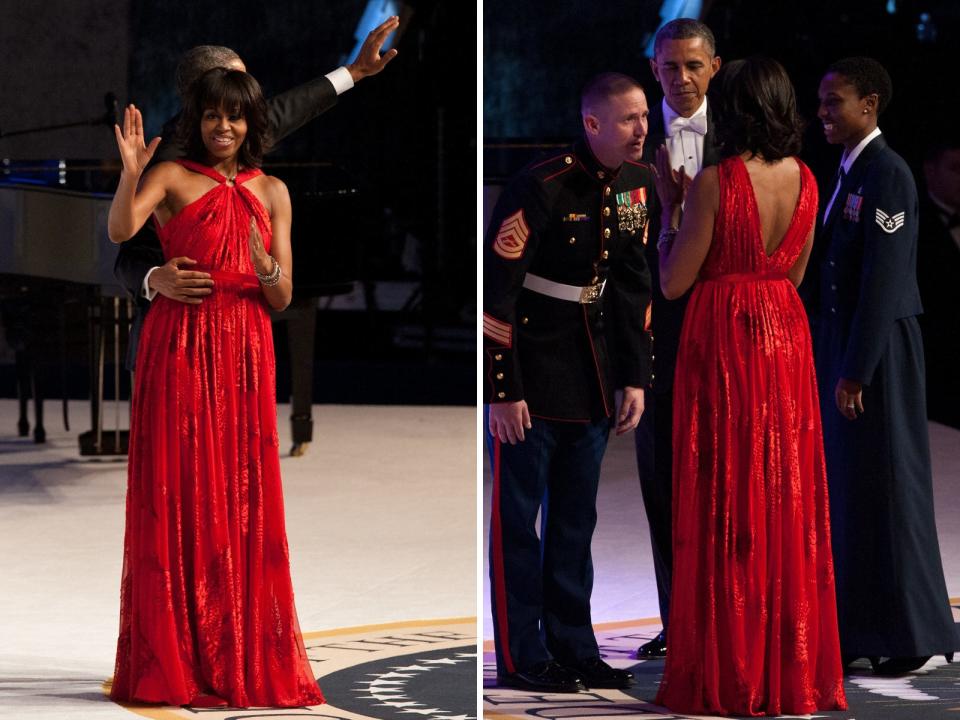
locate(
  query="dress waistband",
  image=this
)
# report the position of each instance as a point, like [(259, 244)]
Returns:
[(231, 282), (746, 277)]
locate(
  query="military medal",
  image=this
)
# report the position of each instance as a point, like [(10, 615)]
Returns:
[(851, 209), (632, 210)]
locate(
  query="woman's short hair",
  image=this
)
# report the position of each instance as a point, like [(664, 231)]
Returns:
[(756, 109), (868, 76), (233, 91)]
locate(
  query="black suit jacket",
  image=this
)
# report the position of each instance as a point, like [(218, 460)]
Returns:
[(666, 316), (286, 113), (938, 274)]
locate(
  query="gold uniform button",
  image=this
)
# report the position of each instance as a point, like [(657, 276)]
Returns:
[(605, 254), (606, 191), (499, 376), (606, 212), (572, 241), (568, 160), (501, 395), (498, 356), (524, 320), (600, 174), (606, 232)]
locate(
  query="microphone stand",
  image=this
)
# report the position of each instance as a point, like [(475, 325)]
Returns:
[(109, 118)]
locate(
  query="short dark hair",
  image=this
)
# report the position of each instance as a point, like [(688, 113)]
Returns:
[(236, 92), (868, 76), (605, 86), (198, 60), (756, 109), (685, 29)]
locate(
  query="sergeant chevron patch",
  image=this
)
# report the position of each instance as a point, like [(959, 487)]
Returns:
[(512, 237), (890, 223)]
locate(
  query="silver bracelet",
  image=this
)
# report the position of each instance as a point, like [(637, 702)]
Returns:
[(666, 236), (273, 277)]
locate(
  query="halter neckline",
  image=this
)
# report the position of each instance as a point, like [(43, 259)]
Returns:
[(239, 178)]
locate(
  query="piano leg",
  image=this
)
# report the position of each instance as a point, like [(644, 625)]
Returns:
[(23, 391), (301, 319)]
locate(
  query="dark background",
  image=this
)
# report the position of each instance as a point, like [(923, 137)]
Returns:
[(404, 141), (537, 56)]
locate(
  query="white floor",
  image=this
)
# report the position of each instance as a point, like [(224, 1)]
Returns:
[(624, 583), (381, 522)]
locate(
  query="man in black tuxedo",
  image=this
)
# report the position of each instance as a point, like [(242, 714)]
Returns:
[(140, 265), (684, 61), (938, 268)]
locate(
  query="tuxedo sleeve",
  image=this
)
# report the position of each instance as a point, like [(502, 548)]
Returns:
[(291, 110), (890, 226), (516, 226), (135, 258)]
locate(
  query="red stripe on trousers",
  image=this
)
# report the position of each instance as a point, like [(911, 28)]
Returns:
[(499, 584)]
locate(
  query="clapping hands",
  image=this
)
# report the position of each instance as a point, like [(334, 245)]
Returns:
[(134, 153)]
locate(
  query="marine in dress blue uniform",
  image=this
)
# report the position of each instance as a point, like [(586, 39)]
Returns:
[(566, 290), (891, 595)]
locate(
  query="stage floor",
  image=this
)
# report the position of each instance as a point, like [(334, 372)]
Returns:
[(381, 523), (625, 593)]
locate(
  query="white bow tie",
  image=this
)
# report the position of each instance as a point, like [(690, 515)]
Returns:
[(697, 124)]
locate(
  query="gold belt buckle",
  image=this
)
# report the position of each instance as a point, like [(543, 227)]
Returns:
[(589, 294)]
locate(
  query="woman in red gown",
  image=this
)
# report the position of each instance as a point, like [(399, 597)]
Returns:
[(206, 610), (753, 622)]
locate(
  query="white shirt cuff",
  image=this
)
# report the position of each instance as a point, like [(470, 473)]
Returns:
[(148, 292), (341, 79)]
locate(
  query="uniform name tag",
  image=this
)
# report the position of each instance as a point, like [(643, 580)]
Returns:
[(851, 208), (632, 210), (575, 217)]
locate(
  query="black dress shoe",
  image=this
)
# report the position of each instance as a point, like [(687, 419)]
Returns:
[(655, 648), (595, 673), (900, 665), (545, 677)]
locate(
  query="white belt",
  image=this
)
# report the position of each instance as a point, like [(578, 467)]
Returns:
[(573, 293)]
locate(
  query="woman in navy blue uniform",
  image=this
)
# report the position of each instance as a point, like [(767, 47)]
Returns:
[(891, 595)]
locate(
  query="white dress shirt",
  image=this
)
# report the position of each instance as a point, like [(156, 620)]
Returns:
[(846, 162), (686, 146)]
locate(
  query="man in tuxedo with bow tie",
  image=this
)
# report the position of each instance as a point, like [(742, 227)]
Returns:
[(938, 267), (684, 62)]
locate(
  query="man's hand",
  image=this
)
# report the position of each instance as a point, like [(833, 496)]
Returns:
[(186, 286), (631, 408), (369, 61), (849, 398), (508, 420)]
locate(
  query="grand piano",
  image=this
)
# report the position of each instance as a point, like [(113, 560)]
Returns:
[(56, 277)]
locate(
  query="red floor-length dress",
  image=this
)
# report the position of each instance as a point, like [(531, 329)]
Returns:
[(753, 619), (206, 602)]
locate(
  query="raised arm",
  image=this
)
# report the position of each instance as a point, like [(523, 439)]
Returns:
[(279, 294), (369, 61), (131, 207), (682, 257)]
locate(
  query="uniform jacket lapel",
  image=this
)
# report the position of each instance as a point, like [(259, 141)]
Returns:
[(853, 180)]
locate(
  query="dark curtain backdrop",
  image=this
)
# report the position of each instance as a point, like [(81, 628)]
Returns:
[(538, 54)]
